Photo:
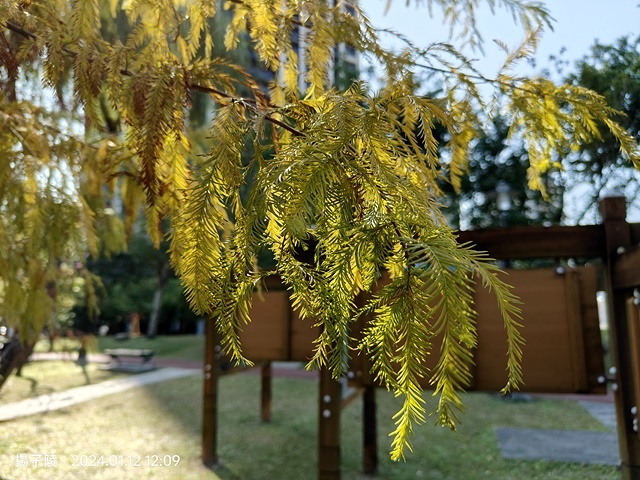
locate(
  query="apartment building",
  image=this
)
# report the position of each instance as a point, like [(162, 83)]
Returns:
[(345, 65)]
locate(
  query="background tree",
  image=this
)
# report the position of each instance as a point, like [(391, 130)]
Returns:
[(136, 281), (596, 168), (345, 170), (497, 163), (51, 198), (614, 72)]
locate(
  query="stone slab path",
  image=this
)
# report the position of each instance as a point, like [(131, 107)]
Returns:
[(565, 445)]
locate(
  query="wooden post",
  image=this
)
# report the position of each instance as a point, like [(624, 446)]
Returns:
[(265, 392), (618, 240), (360, 374), (369, 431), (329, 427), (210, 397), (633, 322)]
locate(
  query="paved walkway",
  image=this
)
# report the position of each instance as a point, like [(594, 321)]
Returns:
[(55, 401), (559, 445), (603, 411)]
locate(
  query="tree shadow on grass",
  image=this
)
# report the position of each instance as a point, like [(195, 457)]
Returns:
[(86, 375), (35, 388), (34, 384), (285, 447)]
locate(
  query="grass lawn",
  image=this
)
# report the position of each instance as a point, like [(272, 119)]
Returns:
[(185, 347), (165, 419)]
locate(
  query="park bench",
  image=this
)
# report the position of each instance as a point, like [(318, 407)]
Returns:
[(130, 360)]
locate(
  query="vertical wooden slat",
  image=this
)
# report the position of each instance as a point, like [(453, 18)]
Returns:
[(545, 330), (328, 427), (590, 322), (574, 326), (266, 337), (210, 397)]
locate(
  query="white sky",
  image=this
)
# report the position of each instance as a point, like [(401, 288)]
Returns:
[(578, 24)]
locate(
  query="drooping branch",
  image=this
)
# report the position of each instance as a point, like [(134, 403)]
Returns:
[(245, 102)]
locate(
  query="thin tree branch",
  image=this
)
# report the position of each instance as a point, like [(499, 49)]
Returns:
[(473, 74), (20, 31), (22, 141), (252, 104)]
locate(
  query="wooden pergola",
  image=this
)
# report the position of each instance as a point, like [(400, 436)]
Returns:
[(563, 354)]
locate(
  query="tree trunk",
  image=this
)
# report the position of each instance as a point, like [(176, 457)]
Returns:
[(52, 339), (156, 306), (12, 357)]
